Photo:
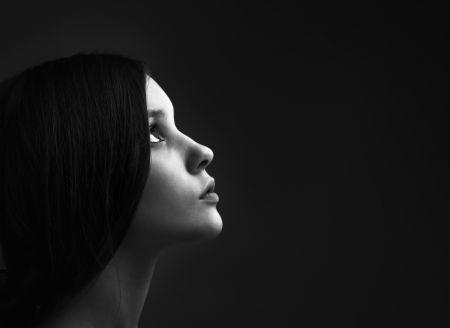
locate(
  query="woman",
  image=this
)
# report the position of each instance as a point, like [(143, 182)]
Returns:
[(96, 182)]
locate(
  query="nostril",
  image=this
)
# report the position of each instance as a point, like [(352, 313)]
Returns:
[(203, 164), (198, 158)]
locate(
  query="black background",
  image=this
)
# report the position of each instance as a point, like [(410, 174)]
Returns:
[(329, 125)]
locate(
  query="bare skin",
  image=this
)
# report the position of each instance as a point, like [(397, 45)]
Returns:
[(100, 306), (170, 213)]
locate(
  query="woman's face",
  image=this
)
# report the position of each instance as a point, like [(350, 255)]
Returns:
[(170, 209)]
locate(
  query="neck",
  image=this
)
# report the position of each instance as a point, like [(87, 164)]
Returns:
[(116, 299)]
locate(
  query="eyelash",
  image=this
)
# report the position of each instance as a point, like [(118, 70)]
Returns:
[(155, 127)]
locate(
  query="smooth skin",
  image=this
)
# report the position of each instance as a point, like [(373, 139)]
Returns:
[(170, 213)]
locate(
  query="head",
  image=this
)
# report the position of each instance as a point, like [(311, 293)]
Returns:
[(170, 210), (84, 161)]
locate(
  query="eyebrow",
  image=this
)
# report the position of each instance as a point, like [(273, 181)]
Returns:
[(156, 113)]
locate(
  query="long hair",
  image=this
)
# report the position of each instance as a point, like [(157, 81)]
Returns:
[(74, 161)]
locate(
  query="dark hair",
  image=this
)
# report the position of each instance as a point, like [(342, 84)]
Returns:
[(74, 161)]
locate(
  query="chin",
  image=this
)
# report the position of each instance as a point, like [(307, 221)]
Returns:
[(204, 231)]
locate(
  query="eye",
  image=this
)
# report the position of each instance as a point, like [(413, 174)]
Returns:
[(155, 134)]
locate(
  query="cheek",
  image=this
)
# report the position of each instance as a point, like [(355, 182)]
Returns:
[(169, 188), (170, 211), (165, 202)]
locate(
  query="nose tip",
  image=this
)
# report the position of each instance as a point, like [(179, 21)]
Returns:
[(207, 158), (200, 158)]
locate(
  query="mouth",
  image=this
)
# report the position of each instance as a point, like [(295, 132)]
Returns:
[(209, 188)]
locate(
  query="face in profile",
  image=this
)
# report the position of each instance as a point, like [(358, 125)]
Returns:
[(172, 209)]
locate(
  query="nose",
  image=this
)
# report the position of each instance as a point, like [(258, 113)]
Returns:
[(198, 158)]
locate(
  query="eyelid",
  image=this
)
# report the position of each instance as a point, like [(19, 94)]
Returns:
[(153, 127)]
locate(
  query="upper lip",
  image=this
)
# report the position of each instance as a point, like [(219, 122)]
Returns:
[(209, 187)]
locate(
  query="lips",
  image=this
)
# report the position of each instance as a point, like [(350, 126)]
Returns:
[(209, 188)]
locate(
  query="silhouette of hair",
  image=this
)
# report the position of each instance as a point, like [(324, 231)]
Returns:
[(74, 161)]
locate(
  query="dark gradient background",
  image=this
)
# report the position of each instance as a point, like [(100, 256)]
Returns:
[(329, 125)]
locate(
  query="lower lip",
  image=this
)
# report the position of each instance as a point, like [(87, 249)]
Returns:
[(210, 197)]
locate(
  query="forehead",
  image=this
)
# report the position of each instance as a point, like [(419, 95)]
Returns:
[(157, 98)]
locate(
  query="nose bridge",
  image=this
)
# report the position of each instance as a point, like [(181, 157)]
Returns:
[(198, 156)]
